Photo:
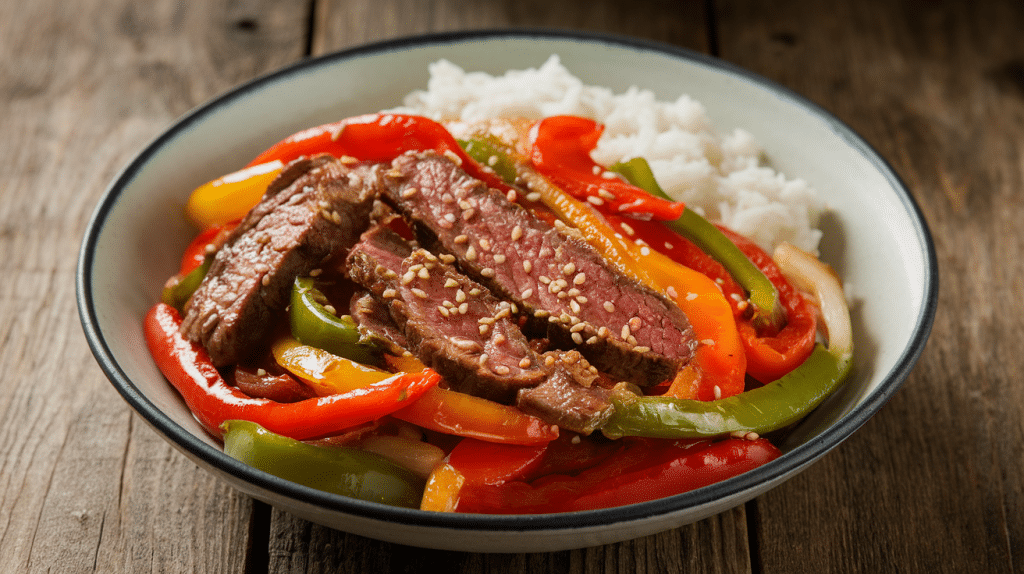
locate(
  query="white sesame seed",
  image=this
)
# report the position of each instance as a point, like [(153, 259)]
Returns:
[(483, 359), (609, 306), (602, 332), (475, 291), (471, 253), (487, 272), (544, 279), (708, 342), (486, 320), (534, 196), (625, 332), (641, 348), (627, 228), (631, 340), (549, 360), (527, 266), (580, 278), (330, 309), (449, 283), (461, 239), (449, 217), (447, 258), (460, 296), (265, 280), (442, 310), (577, 327), (541, 313), (605, 194), (463, 204), (423, 273), (501, 370), (690, 296), (389, 293), (527, 294), (485, 244), (581, 299), (409, 192), (483, 329), (577, 338), (594, 200), (569, 269), (517, 233), (408, 277), (672, 292), (635, 323), (498, 339), (511, 196), (554, 287), (468, 214), (751, 436), (448, 304), (525, 362), (453, 156), (463, 309), (448, 198), (419, 293), (499, 258), (574, 306), (645, 251)]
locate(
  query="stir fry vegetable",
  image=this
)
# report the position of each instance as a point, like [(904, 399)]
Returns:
[(756, 367)]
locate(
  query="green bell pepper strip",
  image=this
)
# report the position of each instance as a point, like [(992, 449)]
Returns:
[(312, 324), (491, 155), (761, 410), (761, 292), (177, 292), (345, 471)]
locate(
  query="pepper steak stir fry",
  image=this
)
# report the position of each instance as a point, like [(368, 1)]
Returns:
[(520, 330)]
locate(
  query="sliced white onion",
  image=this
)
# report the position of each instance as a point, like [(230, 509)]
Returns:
[(810, 275)]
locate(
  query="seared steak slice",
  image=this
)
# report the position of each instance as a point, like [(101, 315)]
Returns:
[(450, 322), (313, 210), (624, 328), (568, 398), (375, 322)]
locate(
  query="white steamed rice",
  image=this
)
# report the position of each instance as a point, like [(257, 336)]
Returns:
[(719, 175)]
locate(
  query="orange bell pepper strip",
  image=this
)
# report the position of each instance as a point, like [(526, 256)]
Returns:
[(212, 401)]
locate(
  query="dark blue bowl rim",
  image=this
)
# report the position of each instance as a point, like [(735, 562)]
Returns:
[(791, 462)]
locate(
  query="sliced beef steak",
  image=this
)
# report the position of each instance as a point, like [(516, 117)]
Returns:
[(449, 321), (568, 397), (624, 328), (375, 322), (313, 210)]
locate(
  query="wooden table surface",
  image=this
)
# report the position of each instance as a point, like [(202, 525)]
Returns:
[(933, 483)]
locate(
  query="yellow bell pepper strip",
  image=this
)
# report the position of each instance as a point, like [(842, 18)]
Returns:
[(768, 311), (345, 471), (768, 408), (231, 196), (719, 360), (561, 153), (459, 414), (326, 373), (313, 324), (212, 401), (442, 491)]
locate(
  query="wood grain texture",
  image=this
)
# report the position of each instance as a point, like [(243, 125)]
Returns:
[(84, 485), (933, 482)]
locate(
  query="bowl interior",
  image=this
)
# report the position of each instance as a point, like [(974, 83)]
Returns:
[(874, 234)]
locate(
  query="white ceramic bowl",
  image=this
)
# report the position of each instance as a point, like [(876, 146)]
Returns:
[(874, 236)]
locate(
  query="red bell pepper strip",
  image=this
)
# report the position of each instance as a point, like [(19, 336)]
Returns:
[(483, 462), (772, 355), (561, 153), (212, 401), (640, 471), (195, 254), (377, 137)]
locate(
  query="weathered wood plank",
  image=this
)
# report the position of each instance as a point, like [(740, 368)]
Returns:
[(344, 23), (933, 483), (715, 545), (84, 484)]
